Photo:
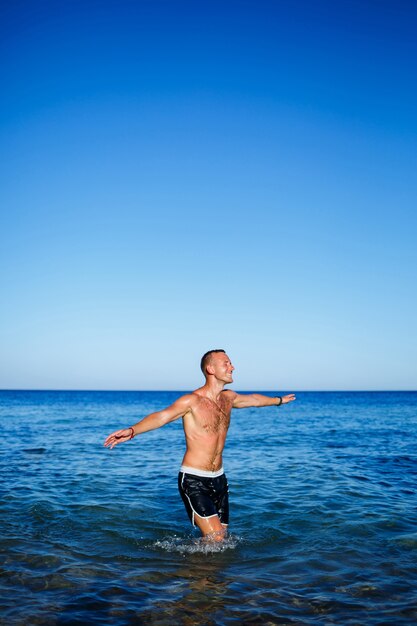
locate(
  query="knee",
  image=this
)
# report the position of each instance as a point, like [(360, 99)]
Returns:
[(217, 535)]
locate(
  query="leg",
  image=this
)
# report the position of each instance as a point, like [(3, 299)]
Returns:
[(211, 527), (206, 508)]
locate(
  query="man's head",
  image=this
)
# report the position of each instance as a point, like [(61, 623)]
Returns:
[(216, 363)]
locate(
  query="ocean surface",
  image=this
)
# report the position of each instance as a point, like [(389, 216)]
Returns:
[(323, 514)]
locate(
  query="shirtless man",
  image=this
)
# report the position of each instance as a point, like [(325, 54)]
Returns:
[(206, 417)]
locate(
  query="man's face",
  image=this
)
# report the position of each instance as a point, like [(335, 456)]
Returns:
[(221, 367)]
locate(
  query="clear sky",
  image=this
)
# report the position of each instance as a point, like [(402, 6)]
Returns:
[(180, 176)]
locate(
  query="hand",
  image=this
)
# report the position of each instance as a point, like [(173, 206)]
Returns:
[(118, 437), (289, 398)]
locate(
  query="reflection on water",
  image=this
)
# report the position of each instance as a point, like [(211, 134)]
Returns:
[(322, 502), (199, 590)]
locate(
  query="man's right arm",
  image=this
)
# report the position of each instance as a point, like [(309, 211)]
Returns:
[(151, 422)]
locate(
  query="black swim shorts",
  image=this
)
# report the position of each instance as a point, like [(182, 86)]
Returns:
[(206, 495)]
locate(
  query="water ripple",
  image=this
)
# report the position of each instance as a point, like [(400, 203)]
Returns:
[(322, 530)]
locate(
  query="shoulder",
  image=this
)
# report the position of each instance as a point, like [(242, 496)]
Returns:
[(184, 402), (191, 400), (187, 398), (229, 395)]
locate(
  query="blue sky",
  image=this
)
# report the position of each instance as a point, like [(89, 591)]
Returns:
[(179, 176)]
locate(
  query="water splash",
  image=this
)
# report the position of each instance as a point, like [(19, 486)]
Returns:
[(192, 545)]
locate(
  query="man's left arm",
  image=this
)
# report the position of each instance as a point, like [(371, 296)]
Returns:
[(244, 401)]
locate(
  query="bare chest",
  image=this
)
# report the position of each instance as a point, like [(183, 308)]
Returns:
[(213, 417)]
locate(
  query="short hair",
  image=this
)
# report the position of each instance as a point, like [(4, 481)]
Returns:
[(206, 358)]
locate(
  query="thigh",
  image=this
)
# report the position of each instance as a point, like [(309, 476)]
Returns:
[(197, 493), (222, 499)]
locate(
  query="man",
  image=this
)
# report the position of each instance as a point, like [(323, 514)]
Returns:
[(206, 417)]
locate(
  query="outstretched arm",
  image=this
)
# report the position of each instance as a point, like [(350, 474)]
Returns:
[(243, 401), (150, 422)]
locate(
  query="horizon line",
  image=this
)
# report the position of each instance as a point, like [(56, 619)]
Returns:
[(188, 390)]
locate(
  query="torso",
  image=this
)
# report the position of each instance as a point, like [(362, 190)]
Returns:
[(205, 427)]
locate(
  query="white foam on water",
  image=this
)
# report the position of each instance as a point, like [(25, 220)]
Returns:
[(201, 545)]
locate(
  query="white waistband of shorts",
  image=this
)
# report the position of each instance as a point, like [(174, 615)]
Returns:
[(199, 472)]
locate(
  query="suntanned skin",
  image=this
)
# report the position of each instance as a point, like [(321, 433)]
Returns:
[(206, 418)]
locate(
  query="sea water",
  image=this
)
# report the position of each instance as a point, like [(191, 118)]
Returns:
[(323, 514)]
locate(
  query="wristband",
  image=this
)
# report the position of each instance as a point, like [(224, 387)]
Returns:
[(133, 433), (280, 400)]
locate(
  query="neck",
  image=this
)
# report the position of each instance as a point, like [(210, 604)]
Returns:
[(213, 387)]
